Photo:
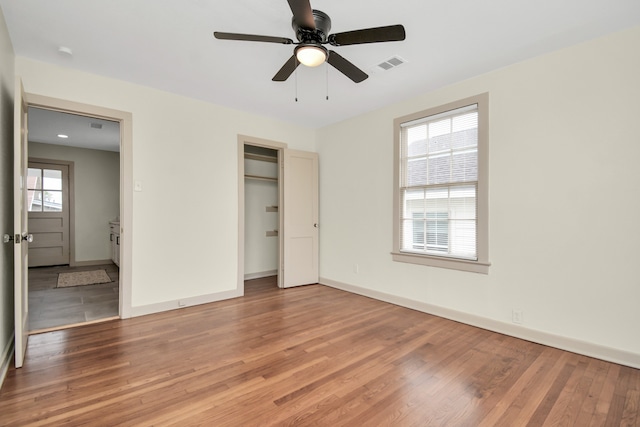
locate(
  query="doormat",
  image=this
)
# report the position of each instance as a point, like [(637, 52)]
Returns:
[(81, 278)]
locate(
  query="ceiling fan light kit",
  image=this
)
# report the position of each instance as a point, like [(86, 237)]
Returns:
[(312, 27), (311, 55)]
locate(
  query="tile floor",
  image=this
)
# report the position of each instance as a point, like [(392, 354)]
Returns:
[(51, 307)]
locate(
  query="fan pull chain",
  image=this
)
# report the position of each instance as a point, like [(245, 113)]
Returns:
[(327, 72), (296, 83)]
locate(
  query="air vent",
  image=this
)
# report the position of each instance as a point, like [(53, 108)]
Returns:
[(96, 125), (391, 63)]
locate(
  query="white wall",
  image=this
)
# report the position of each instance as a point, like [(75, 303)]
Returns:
[(261, 253), (97, 195), (185, 221), (564, 144)]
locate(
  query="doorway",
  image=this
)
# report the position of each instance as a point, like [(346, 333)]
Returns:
[(260, 197), (261, 216), (72, 158), (88, 254)]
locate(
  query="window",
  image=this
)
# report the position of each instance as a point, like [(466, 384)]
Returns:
[(432, 228), (44, 190), (441, 195)]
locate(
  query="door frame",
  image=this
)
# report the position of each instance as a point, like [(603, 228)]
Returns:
[(279, 147), (126, 180), (71, 198)]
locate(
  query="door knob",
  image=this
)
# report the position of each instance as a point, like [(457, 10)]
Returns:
[(18, 238)]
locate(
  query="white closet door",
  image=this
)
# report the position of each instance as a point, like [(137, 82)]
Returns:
[(300, 212)]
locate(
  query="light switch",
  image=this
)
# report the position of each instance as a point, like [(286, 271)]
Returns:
[(137, 186)]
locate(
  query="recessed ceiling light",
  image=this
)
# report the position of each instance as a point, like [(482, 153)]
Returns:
[(60, 135)]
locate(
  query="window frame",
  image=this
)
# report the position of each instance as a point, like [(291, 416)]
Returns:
[(481, 265), (42, 189)]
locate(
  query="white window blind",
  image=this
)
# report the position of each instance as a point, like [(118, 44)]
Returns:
[(439, 184)]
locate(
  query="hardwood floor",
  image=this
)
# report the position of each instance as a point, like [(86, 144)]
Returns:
[(308, 356), (51, 307)]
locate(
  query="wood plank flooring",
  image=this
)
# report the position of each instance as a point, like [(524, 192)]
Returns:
[(308, 356), (51, 307)]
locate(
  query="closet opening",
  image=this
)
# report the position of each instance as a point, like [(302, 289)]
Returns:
[(262, 216)]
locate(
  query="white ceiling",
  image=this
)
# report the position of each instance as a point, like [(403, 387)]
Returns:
[(85, 132), (168, 44)]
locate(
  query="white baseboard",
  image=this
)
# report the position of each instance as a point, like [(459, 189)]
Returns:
[(573, 345), (7, 356), (91, 263), (184, 302), (260, 274)]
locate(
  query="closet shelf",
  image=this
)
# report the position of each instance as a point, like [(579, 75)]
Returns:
[(261, 178)]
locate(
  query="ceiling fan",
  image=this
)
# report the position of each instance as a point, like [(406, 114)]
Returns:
[(312, 31)]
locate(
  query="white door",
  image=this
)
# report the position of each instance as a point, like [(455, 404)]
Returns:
[(20, 221), (48, 207), (300, 218)]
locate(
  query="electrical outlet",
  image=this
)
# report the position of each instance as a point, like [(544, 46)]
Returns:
[(181, 303), (356, 268), (516, 316)]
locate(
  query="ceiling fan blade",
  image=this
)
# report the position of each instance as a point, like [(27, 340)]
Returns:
[(391, 33), (302, 13), (287, 69), (346, 67), (251, 38)]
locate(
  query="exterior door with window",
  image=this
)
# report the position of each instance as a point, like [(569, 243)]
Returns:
[(48, 206)]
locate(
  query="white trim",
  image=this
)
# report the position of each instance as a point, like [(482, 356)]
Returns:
[(573, 345), (184, 302), (260, 274), (93, 262), (7, 355)]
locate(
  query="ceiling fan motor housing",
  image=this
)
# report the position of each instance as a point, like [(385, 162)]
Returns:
[(312, 28), (310, 35)]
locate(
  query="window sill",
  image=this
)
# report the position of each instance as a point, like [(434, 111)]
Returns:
[(442, 262)]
